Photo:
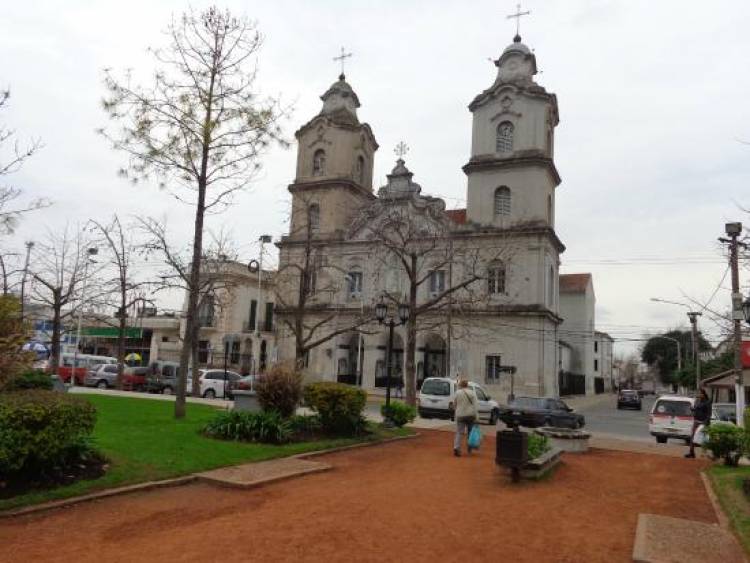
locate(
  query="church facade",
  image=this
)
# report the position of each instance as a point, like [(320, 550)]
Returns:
[(480, 284)]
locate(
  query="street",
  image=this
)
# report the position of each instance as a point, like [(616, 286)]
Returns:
[(603, 417)]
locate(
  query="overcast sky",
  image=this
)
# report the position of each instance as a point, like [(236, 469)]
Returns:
[(653, 101)]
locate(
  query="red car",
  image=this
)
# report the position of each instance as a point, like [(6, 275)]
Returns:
[(134, 378)]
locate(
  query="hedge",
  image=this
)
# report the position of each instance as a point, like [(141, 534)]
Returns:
[(39, 429), (339, 406)]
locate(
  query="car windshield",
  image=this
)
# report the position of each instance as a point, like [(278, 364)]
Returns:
[(529, 402), (629, 393), (673, 408), (436, 387)]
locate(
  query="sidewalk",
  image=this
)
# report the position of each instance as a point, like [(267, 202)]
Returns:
[(218, 403)]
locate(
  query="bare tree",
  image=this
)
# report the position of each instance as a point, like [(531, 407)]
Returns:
[(58, 275), (121, 289), (308, 268), (213, 285), (9, 270), (199, 127), (9, 215), (416, 246)]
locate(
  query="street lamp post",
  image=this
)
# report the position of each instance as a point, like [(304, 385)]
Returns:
[(92, 251), (381, 313)]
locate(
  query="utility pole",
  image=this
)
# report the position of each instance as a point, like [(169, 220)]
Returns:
[(733, 231), (29, 246), (693, 316)]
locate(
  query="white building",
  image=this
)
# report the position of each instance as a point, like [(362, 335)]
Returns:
[(513, 316)]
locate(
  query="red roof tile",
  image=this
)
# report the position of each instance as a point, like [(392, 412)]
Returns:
[(574, 283), (457, 215)]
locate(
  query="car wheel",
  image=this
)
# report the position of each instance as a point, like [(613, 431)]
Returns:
[(167, 390), (661, 439), (209, 394), (102, 384), (493, 418)]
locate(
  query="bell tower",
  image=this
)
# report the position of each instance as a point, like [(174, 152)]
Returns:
[(511, 172), (335, 156)]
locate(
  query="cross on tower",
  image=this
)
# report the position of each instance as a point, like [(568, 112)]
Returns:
[(518, 15), (401, 149), (342, 57)]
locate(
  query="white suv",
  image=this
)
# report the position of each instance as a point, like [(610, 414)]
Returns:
[(671, 417), (436, 398), (213, 385)]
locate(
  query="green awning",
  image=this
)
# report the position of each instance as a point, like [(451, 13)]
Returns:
[(111, 332)]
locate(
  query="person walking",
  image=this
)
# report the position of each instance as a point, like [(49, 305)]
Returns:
[(467, 414), (701, 415)]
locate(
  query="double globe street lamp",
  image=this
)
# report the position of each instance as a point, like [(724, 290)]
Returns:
[(381, 313)]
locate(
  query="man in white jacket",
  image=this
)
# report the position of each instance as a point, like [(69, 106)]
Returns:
[(467, 414)]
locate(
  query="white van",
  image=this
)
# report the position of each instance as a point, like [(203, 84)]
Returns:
[(671, 417), (437, 395)]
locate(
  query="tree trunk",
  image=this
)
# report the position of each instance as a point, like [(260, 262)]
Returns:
[(54, 360), (121, 346), (195, 385), (410, 379)]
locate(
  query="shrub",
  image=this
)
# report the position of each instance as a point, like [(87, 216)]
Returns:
[(538, 445), (305, 425), (268, 427), (398, 413), (40, 430), (725, 441), (31, 380), (13, 360), (280, 389), (339, 406)]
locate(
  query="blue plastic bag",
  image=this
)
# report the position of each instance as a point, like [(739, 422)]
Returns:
[(475, 437)]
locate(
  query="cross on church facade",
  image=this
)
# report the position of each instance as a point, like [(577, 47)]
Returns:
[(342, 57), (401, 149), (518, 15)]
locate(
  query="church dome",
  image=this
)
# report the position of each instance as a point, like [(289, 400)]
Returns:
[(517, 47), (340, 101)]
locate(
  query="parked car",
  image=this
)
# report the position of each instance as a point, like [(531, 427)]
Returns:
[(629, 399), (213, 383), (724, 412), (134, 378), (162, 377), (534, 412), (246, 383), (671, 417), (103, 376), (83, 363), (437, 395)]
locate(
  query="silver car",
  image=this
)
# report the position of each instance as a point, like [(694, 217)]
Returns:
[(103, 376)]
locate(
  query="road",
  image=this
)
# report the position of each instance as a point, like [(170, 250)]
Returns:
[(602, 417)]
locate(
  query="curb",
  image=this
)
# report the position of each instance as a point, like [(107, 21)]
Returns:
[(64, 503), (266, 481), (354, 446), (720, 516), (176, 482)]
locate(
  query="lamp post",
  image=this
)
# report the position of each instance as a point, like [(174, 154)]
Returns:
[(29, 246), (92, 251), (381, 313)]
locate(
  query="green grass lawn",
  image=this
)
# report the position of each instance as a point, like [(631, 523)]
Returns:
[(144, 442), (727, 483)]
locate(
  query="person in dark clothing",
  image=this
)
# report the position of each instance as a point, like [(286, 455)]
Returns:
[(701, 415)]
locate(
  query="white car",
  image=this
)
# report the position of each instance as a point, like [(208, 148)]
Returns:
[(437, 395), (212, 383), (671, 417)]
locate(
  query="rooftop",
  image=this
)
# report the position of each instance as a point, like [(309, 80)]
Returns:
[(574, 283)]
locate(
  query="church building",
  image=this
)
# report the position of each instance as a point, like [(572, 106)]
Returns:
[(480, 283)]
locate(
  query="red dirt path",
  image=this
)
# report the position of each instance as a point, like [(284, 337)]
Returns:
[(405, 501)]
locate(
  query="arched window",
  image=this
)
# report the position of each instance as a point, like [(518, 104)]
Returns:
[(502, 201), (319, 163), (504, 139), (359, 170), (313, 218), (496, 278)]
